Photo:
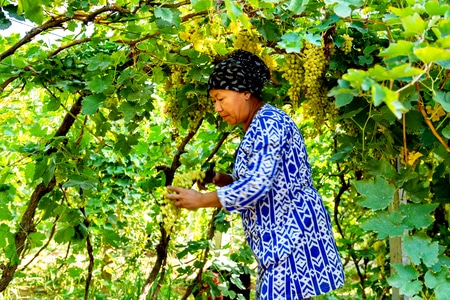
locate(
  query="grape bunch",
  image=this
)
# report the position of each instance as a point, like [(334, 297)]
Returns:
[(177, 79), (319, 106), (248, 42), (198, 105), (171, 107), (349, 127), (314, 65), (188, 179), (176, 76), (169, 211), (348, 43), (203, 37), (305, 73), (201, 105), (294, 73)]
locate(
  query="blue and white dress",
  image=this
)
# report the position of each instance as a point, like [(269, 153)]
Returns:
[(284, 218)]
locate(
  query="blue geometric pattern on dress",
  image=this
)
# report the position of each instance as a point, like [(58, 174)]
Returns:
[(284, 218)]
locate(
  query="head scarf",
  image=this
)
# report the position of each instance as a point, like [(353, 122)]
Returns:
[(241, 72)]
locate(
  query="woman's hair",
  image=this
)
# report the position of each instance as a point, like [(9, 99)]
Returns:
[(242, 71)]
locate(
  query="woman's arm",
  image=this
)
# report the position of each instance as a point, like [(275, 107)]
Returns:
[(191, 199)]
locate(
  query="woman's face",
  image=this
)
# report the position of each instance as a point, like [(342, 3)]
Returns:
[(232, 106)]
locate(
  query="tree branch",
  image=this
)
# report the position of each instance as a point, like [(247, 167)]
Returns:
[(57, 21), (209, 236), (218, 145), (52, 233), (345, 185), (161, 248), (161, 257), (7, 82), (27, 225), (77, 42), (90, 254)]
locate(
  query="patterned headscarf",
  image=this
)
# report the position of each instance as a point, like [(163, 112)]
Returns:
[(241, 72)]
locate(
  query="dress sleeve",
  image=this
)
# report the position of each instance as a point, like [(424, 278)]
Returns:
[(258, 158)]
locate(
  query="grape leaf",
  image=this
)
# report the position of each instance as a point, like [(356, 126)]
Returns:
[(443, 98), (4, 22), (269, 30), (381, 94), (343, 99), (81, 181), (417, 215), (100, 61), (432, 54), (298, 6), (91, 103), (377, 194), (292, 42), (446, 131), (421, 248), (404, 279), (385, 224), (413, 25), (200, 5), (100, 84), (169, 16), (64, 235), (402, 48), (5, 234)]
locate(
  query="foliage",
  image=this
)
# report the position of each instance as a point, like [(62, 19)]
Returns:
[(95, 123)]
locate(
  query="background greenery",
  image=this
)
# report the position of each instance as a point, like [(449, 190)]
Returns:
[(96, 122)]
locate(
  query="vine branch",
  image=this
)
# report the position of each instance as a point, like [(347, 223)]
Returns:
[(90, 254), (209, 236), (161, 248), (421, 109), (52, 233), (27, 225)]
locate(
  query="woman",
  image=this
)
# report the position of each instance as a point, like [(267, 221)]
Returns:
[(284, 219)]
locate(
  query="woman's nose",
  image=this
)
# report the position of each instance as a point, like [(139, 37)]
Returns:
[(218, 107)]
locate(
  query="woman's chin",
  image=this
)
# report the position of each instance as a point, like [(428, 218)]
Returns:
[(229, 122)]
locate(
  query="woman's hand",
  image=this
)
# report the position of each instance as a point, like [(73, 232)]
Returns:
[(185, 198), (191, 199), (221, 179)]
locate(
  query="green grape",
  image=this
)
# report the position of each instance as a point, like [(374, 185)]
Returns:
[(198, 111), (294, 74), (349, 127), (172, 108), (187, 180), (177, 77), (199, 105), (248, 42), (314, 65), (348, 43), (169, 211)]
